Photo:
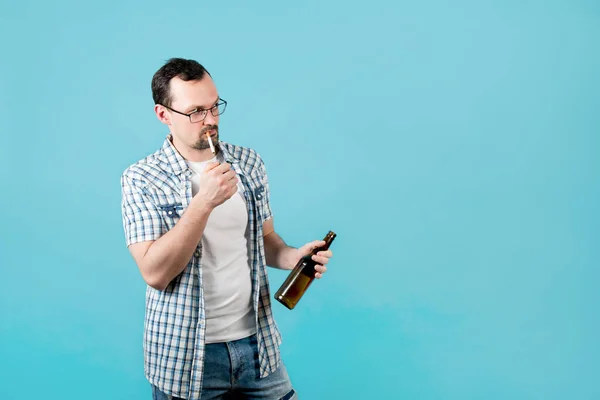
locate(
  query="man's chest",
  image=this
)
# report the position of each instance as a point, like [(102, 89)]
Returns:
[(246, 208)]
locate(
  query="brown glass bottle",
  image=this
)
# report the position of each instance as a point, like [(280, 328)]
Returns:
[(303, 274)]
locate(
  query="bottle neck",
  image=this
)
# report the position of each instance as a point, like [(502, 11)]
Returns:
[(328, 239)]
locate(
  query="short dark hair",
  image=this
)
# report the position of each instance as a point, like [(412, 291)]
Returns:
[(187, 70)]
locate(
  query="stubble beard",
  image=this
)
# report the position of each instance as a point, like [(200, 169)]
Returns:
[(202, 143)]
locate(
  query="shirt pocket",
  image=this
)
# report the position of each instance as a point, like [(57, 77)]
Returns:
[(170, 208)]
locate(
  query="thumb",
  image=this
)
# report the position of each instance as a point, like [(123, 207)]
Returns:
[(310, 246)]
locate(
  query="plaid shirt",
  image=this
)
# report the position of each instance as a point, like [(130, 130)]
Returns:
[(155, 193)]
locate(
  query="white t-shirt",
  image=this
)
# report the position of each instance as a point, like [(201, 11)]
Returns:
[(226, 272)]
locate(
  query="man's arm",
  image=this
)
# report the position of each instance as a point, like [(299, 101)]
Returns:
[(280, 255), (277, 252), (162, 259)]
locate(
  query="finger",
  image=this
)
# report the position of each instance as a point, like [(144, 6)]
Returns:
[(210, 166), (233, 182), (225, 180), (229, 175), (321, 269), (320, 259), (221, 168), (308, 247), (318, 275), (326, 253), (229, 187), (232, 191)]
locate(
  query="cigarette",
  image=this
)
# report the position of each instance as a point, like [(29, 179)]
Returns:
[(212, 146)]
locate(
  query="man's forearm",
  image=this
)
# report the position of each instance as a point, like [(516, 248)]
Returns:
[(278, 253), (168, 256)]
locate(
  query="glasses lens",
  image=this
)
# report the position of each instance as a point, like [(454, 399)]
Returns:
[(198, 116), (219, 109)]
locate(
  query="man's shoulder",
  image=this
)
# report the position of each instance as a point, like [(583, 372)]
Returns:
[(247, 156), (146, 169)]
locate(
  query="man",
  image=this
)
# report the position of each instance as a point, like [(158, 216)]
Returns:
[(200, 228)]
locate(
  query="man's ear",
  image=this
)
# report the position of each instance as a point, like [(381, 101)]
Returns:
[(162, 114)]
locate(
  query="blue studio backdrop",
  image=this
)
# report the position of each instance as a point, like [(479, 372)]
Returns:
[(453, 146)]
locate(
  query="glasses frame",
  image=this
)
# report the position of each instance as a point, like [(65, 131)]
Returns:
[(220, 102)]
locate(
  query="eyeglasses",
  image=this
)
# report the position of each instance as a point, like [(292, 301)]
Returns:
[(200, 114)]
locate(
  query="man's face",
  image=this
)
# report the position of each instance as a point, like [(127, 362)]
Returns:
[(188, 97)]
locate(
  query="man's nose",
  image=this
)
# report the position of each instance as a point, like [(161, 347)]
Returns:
[(210, 119)]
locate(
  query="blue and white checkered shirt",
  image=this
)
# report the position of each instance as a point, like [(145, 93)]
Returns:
[(155, 193)]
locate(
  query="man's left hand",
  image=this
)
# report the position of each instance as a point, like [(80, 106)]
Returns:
[(321, 258)]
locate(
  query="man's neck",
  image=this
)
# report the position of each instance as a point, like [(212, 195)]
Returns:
[(194, 155)]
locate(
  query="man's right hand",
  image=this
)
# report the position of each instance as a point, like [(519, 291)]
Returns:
[(218, 182)]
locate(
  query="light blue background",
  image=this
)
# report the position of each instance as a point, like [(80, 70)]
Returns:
[(453, 146)]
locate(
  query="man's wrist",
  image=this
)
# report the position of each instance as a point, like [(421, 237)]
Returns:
[(201, 205), (288, 258)]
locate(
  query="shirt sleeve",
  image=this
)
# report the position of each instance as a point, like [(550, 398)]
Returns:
[(266, 199), (141, 218)]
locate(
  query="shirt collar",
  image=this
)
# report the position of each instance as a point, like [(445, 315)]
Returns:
[(179, 165), (172, 157)]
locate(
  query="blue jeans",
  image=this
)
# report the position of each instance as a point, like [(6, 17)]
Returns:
[(231, 371)]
